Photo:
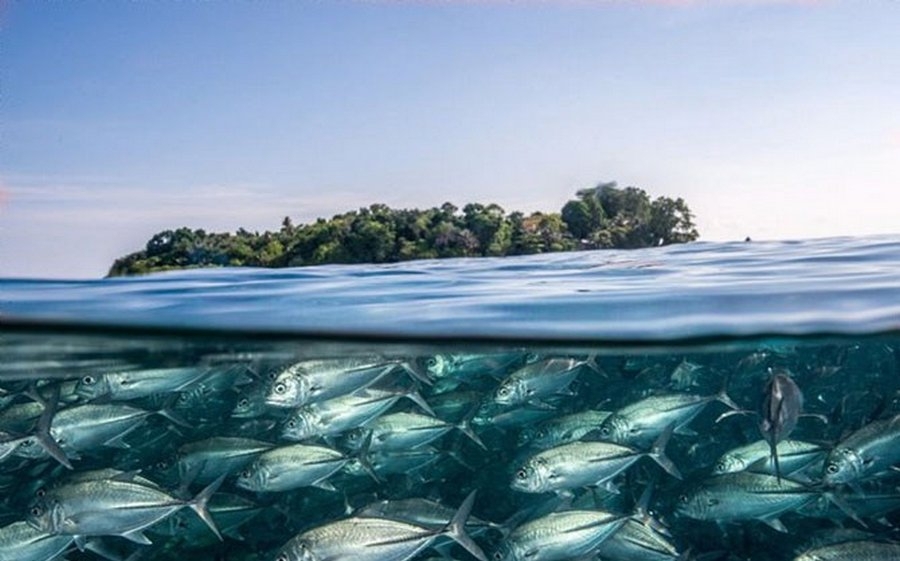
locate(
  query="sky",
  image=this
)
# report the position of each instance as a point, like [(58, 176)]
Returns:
[(774, 119)]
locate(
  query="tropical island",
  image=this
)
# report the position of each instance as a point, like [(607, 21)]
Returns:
[(600, 217)]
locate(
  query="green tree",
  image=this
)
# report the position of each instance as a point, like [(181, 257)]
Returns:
[(602, 216)]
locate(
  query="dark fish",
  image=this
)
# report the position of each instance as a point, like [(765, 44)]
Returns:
[(781, 406)]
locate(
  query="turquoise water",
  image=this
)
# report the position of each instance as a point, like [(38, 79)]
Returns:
[(604, 397)]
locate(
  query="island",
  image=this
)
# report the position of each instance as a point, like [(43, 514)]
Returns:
[(601, 217)]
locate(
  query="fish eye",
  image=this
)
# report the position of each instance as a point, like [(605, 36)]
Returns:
[(292, 423), (244, 402), (721, 466), (503, 390), (282, 557), (540, 433), (431, 362), (521, 474), (604, 431), (40, 492), (498, 556), (36, 511), (683, 499), (245, 474), (712, 501), (831, 468), (88, 380), (280, 388)]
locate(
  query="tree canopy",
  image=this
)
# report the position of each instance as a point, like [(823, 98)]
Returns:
[(601, 217)]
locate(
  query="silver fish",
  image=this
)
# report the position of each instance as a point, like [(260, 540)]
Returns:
[(134, 384), (292, 467), (562, 430), (583, 464), (83, 428), (362, 538), (794, 456), (637, 541), (745, 496), (534, 382), (451, 370), (317, 380), (19, 541), (422, 512), (111, 507), (402, 431), (865, 453), (337, 415), (572, 534), (640, 423), (206, 460), (853, 551)]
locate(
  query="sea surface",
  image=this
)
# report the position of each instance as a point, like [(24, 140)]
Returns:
[(609, 405)]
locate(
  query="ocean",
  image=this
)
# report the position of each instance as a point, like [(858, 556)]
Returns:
[(701, 401)]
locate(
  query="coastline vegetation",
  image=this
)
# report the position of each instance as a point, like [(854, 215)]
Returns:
[(600, 217)]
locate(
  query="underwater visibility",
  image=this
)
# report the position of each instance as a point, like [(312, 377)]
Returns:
[(124, 439)]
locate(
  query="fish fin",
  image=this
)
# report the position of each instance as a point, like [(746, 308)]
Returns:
[(459, 459), (456, 529), (198, 504), (658, 452), (775, 524), (362, 456), (723, 397), (126, 476), (414, 396), (818, 416), (541, 405), (684, 431), (466, 429), (592, 364), (118, 441), (137, 536), (845, 507), (733, 412), (597, 524), (608, 485), (42, 432), (417, 372), (80, 542), (325, 485)]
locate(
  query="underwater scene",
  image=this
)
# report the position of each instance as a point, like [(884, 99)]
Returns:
[(124, 446)]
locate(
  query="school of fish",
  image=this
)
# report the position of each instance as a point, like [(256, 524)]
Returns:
[(787, 451)]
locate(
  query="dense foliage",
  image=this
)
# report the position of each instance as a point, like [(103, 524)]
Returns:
[(604, 216)]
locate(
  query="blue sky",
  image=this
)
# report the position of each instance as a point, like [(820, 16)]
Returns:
[(773, 119)]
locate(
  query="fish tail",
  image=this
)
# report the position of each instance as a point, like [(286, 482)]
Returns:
[(414, 396), (362, 456), (466, 428), (723, 396), (199, 503), (658, 452), (416, 371), (42, 432), (456, 529)]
